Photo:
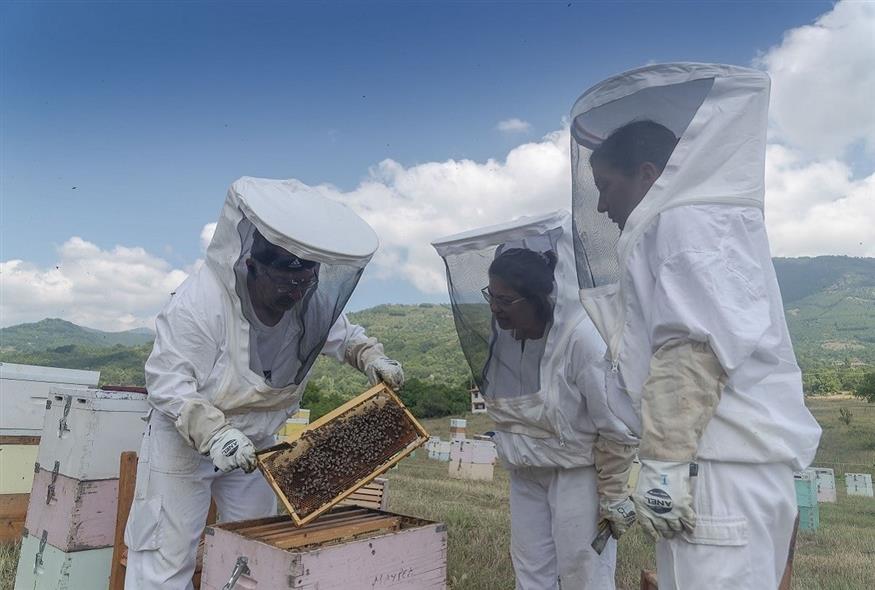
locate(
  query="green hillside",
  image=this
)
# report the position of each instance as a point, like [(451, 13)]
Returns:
[(53, 332), (830, 308), (829, 300)]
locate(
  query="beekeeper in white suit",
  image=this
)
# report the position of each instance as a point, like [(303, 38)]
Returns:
[(668, 166), (230, 362), (537, 360)]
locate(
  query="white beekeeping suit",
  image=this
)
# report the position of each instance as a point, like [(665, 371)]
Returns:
[(231, 359), (682, 288), (568, 455)]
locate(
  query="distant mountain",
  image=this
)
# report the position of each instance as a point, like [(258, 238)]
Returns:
[(829, 303), (830, 307), (53, 333)]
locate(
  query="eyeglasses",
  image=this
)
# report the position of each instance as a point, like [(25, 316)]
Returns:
[(499, 300), (284, 284)]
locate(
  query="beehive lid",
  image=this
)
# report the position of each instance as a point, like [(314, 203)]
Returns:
[(341, 452)]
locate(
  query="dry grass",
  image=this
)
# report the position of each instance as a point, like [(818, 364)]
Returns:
[(839, 556)]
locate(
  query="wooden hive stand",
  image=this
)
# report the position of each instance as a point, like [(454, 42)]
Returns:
[(127, 483)]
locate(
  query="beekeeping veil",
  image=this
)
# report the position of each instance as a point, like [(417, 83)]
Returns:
[(718, 115), (517, 382), (311, 250)]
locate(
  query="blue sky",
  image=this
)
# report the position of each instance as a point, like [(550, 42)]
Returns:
[(151, 109)]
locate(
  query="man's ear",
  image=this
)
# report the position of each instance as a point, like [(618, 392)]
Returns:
[(648, 172), (250, 266)]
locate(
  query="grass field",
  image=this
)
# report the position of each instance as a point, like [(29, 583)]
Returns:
[(839, 556)]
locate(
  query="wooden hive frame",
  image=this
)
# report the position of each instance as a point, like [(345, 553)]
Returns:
[(349, 408)]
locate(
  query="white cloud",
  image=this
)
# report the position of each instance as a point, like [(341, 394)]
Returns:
[(207, 235), (410, 207), (513, 126), (823, 82), (817, 207), (114, 289)]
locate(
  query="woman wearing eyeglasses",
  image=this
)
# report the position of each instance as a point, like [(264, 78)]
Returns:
[(537, 360)]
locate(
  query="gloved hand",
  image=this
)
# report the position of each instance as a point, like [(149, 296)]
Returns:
[(664, 499), (231, 449), (385, 369), (613, 461), (620, 514)]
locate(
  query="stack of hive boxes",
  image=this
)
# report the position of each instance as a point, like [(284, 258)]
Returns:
[(24, 390), (478, 404), (457, 428), (472, 459), (69, 531), (806, 499)]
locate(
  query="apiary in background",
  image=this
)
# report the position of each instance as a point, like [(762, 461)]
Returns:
[(341, 452)]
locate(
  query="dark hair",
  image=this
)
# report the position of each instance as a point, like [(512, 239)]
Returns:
[(272, 255), (635, 143), (530, 274)]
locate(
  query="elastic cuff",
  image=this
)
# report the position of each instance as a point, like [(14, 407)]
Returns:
[(199, 422)]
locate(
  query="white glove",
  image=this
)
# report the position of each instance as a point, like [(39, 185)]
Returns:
[(613, 461), (385, 369), (619, 513), (231, 449), (664, 498)]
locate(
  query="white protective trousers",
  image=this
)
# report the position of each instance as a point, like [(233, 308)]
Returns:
[(168, 514), (552, 527), (745, 516)]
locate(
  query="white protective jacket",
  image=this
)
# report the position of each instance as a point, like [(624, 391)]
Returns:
[(693, 258), (557, 425), (199, 371)]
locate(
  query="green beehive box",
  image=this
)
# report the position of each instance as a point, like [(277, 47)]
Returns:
[(806, 499), (809, 518)]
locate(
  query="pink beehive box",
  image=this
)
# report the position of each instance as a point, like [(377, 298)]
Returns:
[(77, 514), (347, 548)]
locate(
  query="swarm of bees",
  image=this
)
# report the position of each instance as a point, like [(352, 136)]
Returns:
[(327, 461)]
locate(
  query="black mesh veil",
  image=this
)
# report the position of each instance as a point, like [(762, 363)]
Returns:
[(309, 296)]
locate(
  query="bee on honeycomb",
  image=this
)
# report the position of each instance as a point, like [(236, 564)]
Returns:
[(337, 455)]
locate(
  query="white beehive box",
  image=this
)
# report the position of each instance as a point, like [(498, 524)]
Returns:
[(478, 404), (431, 446), (43, 567), (473, 451), (471, 471), (442, 452), (86, 430), (24, 390), (345, 549), (859, 484), (826, 484)]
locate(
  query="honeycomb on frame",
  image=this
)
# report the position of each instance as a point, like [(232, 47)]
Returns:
[(341, 452)]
